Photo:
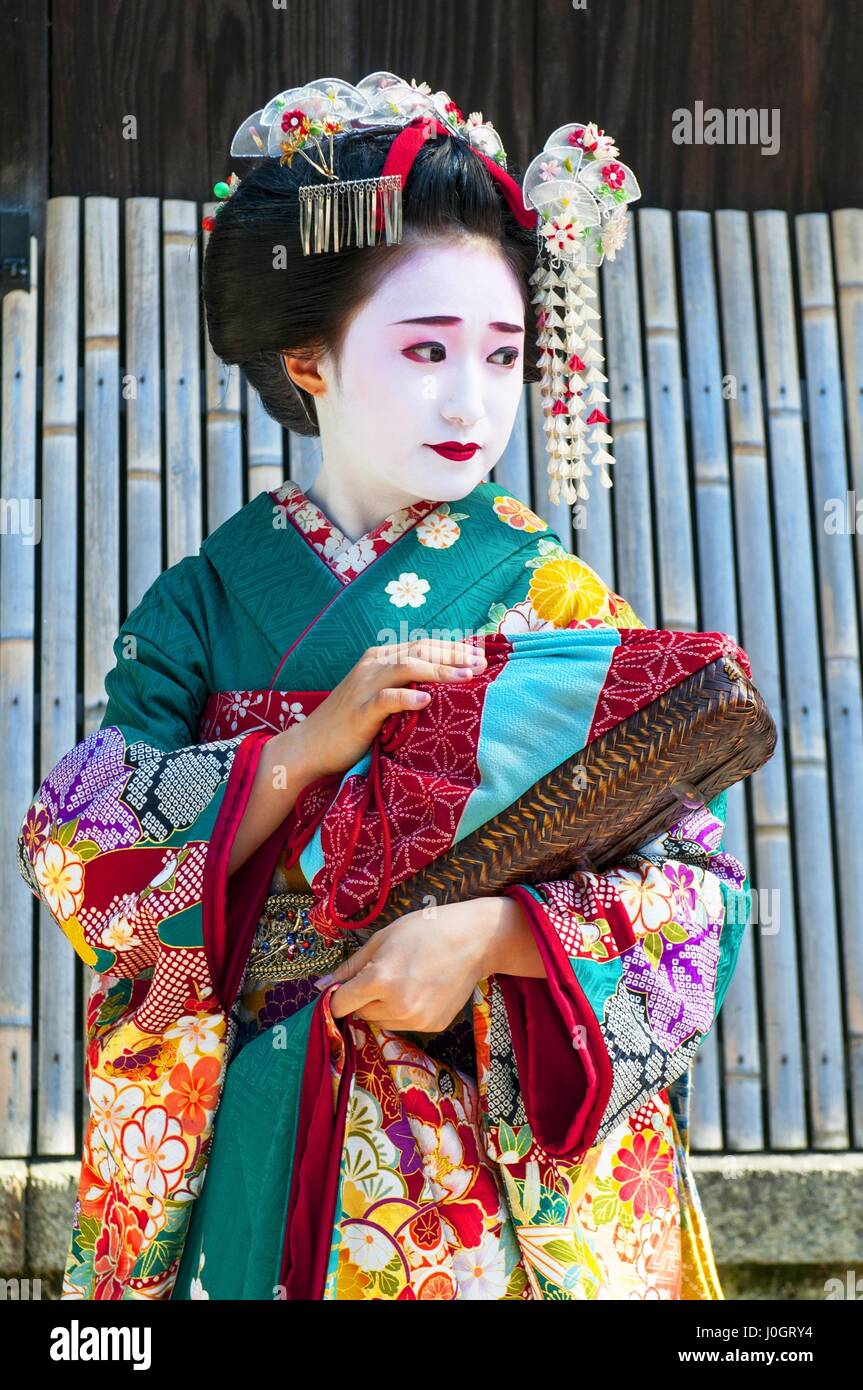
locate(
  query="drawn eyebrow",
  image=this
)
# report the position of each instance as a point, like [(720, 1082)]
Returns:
[(448, 319)]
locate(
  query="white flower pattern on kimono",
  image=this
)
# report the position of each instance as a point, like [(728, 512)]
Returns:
[(523, 617), (59, 873), (355, 557), (196, 1033), (112, 1106), (196, 1287), (408, 590), (120, 933), (481, 1273), (646, 895), (154, 1148), (440, 529), (370, 1248)]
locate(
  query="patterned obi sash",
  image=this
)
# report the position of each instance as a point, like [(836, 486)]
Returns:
[(286, 946)]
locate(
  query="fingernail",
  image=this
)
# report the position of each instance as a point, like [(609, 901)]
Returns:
[(324, 981), (463, 672)]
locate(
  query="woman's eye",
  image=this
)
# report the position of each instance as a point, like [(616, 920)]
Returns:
[(438, 347), (423, 347), (513, 359)]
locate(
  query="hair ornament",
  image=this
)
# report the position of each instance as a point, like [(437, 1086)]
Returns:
[(580, 190), (574, 194)]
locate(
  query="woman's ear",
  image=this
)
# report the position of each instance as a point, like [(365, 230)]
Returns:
[(303, 371)]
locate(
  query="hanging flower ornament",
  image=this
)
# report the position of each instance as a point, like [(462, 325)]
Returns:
[(615, 232), (579, 189), (575, 190)]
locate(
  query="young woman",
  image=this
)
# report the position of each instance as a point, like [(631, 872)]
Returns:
[(486, 1099)]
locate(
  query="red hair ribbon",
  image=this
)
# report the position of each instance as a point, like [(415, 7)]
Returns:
[(407, 145)]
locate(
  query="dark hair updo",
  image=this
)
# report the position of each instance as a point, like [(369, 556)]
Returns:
[(263, 297)]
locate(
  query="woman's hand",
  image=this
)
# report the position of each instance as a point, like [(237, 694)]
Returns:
[(342, 728), (416, 974)]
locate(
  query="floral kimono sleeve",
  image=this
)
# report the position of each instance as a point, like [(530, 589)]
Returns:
[(116, 845), (638, 957)]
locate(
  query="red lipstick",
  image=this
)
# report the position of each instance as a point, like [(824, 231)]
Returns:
[(450, 449)]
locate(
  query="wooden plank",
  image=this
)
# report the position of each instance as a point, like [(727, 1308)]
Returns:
[(119, 126), (182, 378), (848, 242), (631, 497), (26, 130), (59, 729), (560, 515), (142, 375), (797, 61), (512, 470), (739, 1019), (840, 643), (304, 458), (101, 449), (512, 60), (805, 707), (771, 870), (266, 452), (677, 601), (100, 532), (22, 522), (224, 432)]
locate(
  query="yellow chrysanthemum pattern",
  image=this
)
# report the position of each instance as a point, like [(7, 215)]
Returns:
[(564, 591)]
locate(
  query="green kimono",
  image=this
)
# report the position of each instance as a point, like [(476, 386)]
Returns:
[(342, 1160)]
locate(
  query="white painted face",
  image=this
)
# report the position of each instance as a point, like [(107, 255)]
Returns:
[(405, 386)]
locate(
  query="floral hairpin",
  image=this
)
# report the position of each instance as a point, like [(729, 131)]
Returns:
[(579, 189), (339, 212), (301, 114)]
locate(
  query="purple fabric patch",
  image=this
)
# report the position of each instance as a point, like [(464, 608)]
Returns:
[(93, 774), (679, 990)]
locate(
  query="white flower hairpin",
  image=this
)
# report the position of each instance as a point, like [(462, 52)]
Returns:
[(580, 190)]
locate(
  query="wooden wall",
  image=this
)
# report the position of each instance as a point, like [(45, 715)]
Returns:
[(74, 72), (735, 358)]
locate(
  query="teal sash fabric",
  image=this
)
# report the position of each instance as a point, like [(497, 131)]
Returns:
[(238, 1220)]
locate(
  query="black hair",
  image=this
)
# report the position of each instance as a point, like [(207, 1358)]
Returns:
[(263, 296)]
